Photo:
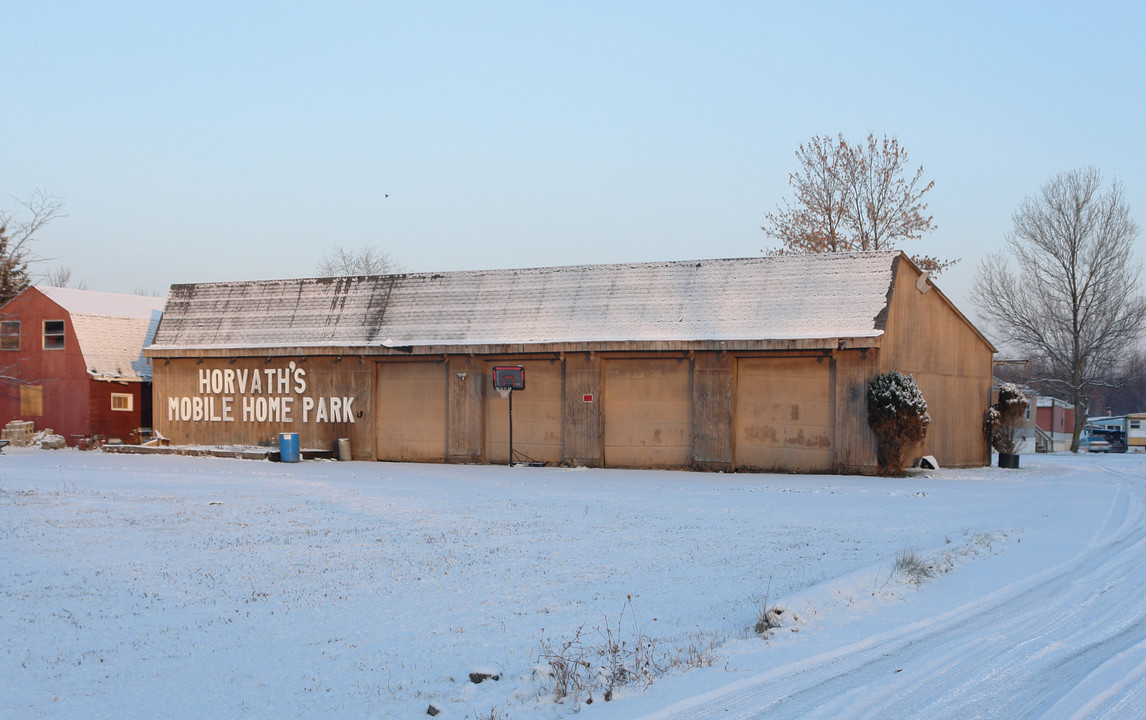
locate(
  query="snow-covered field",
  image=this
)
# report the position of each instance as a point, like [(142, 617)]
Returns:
[(168, 587)]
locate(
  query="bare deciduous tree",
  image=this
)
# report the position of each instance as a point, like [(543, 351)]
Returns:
[(61, 277), (816, 219), (341, 262), (851, 197), (1073, 297), (1125, 392), (16, 236)]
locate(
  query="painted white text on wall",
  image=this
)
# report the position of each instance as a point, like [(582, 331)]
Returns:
[(258, 395)]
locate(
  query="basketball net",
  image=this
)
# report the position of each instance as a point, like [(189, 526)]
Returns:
[(504, 391)]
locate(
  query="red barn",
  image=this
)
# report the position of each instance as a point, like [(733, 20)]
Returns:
[(72, 360)]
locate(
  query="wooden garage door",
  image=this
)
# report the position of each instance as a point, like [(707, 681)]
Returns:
[(784, 414), (410, 411), (647, 413), (536, 414)]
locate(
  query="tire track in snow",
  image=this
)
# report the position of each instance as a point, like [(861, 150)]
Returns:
[(1066, 643)]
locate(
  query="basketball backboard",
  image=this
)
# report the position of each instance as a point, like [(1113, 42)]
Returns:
[(510, 377)]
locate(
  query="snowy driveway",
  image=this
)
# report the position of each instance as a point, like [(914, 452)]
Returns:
[(1065, 642)]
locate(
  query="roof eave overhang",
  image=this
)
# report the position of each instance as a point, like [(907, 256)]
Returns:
[(117, 379), (759, 345)]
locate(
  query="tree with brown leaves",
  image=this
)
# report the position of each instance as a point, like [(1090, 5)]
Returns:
[(853, 197)]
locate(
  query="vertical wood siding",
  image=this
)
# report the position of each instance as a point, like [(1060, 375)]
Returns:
[(647, 413), (951, 364), (60, 373), (785, 414), (713, 389), (755, 410), (855, 442), (410, 422), (582, 421), (116, 423), (464, 424), (178, 380), (537, 413)]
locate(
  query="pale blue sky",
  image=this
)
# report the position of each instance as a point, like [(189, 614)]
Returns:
[(222, 141)]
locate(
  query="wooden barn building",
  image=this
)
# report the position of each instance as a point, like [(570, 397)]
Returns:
[(745, 364), (72, 361)]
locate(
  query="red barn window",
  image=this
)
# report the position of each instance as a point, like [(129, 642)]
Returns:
[(10, 335), (53, 334)]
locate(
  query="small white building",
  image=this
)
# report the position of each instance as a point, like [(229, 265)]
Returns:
[(1136, 432)]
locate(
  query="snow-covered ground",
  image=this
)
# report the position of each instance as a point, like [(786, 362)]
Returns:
[(143, 586)]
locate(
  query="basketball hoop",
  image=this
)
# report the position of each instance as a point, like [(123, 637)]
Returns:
[(506, 379)]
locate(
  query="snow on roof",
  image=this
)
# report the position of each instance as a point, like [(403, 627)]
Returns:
[(1105, 418), (112, 329), (763, 298), (91, 302)]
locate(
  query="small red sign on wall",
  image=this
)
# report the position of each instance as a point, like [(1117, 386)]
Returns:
[(587, 398)]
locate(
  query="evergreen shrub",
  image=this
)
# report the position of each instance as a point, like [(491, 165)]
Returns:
[(1001, 421), (897, 414)]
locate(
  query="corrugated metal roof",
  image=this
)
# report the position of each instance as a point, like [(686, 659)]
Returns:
[(763, 298), (112, 329)]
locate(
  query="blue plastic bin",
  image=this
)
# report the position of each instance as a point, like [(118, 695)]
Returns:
[(288, 447)]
